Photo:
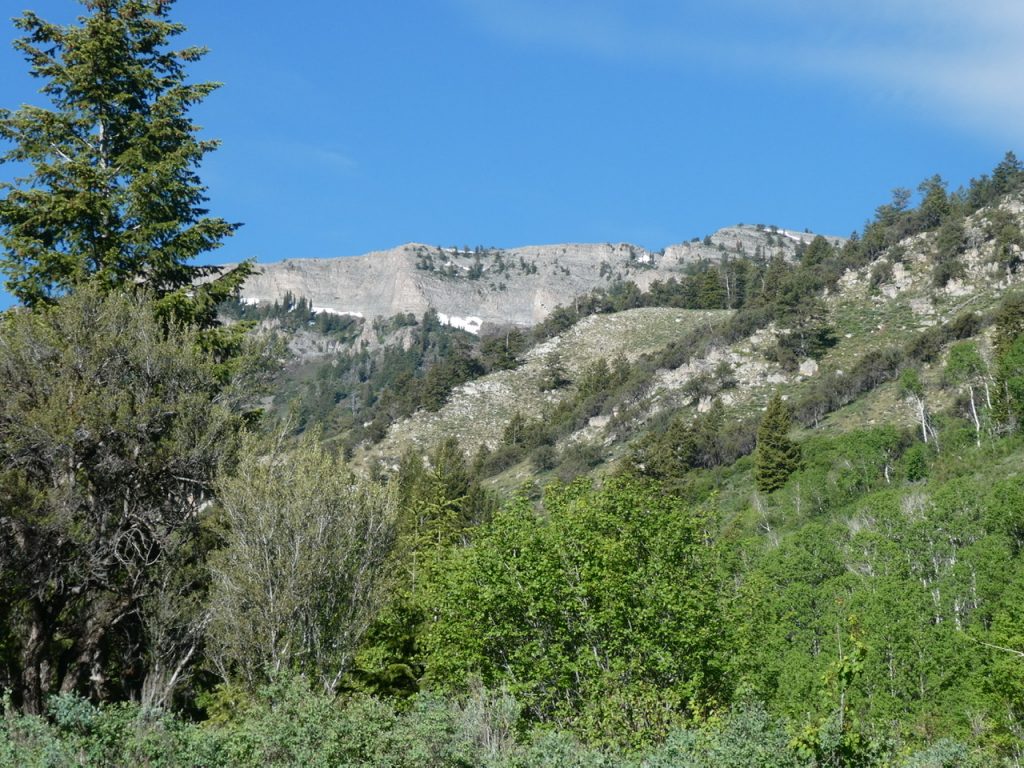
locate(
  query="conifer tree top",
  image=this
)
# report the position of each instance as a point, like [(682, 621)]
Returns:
[(777, 456), (111, 193)]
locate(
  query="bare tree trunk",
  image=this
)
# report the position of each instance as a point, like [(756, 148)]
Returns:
[(974, 415), (160, 682), (87, 660), (927, 430), (35, 676)]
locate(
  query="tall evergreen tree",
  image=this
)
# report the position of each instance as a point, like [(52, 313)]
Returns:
[(1008, 176), (111, 193), (935, 203), (818, 251), (777, 457)]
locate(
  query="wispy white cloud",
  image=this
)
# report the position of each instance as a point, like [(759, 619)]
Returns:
[(960, 62), (309, 155), (330, 158), (556, 25)]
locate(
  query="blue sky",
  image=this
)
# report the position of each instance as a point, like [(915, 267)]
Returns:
[(353, 126)]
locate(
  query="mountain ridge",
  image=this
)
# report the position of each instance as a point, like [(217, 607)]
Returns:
[(499, 287), (888, 302)]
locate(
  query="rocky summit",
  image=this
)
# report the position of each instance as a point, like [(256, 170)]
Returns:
[(471, 288)]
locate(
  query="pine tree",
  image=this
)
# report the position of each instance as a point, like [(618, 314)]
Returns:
[(818, 251), (1008, 175), (711, 291), (777, 457), (111, 194)]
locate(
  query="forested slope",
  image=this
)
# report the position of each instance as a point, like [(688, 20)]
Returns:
[(766, 511), (783, 530)]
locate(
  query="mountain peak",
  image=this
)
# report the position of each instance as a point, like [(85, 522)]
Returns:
[(484, 286)]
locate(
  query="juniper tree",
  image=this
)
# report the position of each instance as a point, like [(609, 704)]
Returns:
[(111, 192), (777, 457), (111, 427)]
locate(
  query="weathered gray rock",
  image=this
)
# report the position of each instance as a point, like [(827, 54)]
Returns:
[(517, 286)]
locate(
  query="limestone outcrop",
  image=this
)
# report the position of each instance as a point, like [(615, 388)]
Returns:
[(473, 288)]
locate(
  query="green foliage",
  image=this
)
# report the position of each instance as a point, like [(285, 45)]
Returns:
[(439, 505), (555, 375), (835, 738), (1010, 382), (454, 369), (777, 457), (935, 203), (359, 393), (1007, 178), (300, 576), (598, 615), (950, 242), (810, 336), (923, 567), (706, 441), (964, 363), (111, 428), (78, 733), (915, 462), (945, 753), (746, 737), (1009, 363), (606, 619), (291, 313), (111, 194), (1008, 238), (577, 459), (967, 370), (287, 724), (442, 503), (881, 272), (761, 291), (910, 383), (501, 351), (817, 252)]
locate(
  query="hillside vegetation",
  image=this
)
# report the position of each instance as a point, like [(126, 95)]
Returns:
[(779, 524), (756, 500)]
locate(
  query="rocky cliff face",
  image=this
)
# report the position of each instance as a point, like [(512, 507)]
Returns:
[(474, 288)]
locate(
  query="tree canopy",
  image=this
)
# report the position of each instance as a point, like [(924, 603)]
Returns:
[(111, 429), (777, 456), (111, 193)]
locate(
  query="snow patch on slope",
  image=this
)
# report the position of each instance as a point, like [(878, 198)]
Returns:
[(339, 312), (471, 324)]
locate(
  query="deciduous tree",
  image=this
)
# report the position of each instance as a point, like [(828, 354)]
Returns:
[(966, 369), (300, 576), (600, 614), (912, 388)]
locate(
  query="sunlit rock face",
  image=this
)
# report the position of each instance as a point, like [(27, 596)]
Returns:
[(473, 288)]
